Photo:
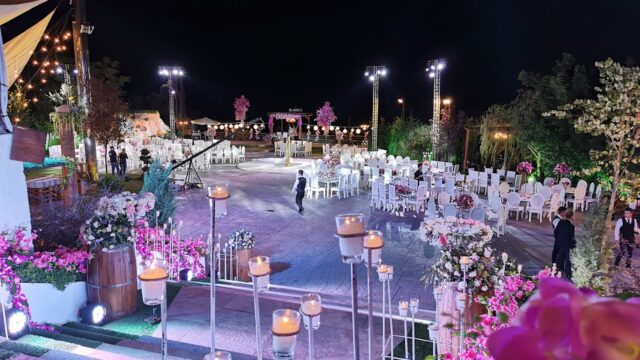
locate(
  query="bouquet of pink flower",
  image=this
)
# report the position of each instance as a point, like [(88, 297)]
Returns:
[(464, 201), (566, 183), (561, 169), (403, 189), (524, 167)]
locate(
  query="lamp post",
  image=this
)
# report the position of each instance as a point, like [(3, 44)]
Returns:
[(171, 72), (373, 73), (214, 193), (401, 102), (434, 68)]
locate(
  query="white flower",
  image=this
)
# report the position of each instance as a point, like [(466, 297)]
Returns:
[(111, 246), (448, 266), (484, 288), (472, 274), (91, 237), (487, 252), (95, 224)]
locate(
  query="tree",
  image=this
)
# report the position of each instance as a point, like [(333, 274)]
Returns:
[(614, 116), (157, 182), (108, 70), (19, 111), (108, 117)]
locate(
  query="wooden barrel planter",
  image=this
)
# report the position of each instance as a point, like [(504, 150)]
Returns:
[(111, 281)]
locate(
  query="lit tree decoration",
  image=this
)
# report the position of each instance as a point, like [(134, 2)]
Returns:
[(325, 115), (241, 106), (614, 115)]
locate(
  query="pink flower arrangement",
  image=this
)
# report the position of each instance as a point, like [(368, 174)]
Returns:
[(403, 189), (179, 253), (325, 115), (241, 106), (563, 322), (561, 169), (464, 201), (524, 167)]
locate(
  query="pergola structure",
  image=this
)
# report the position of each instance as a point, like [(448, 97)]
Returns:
[(292, 116)]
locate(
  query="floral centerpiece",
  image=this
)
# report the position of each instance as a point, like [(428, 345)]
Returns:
[(524, 167), (113, 222), (325, 115), (241, 239), (403, 189), (180, 253), (561, 169), (463, 237), (464, 202), (566, 183), (330, 161)]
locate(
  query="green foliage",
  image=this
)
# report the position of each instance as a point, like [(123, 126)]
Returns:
[(110, 183), (145, 157), (586, 256), (60, 279), (158, 183), (407, 137), (108, 70)]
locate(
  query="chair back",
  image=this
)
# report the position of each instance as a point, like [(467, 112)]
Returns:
[(478, 214), (580, 193), (495, 204), (431, 208), (513, 199), (582, 183), (503, 188), (554, 202), (444, 198), (511, 175), (591, 189), (450, 187), (495, 179), (565, 179), (545, 191), (536, 201), (413, 184), (547, 181), (500, 172), (488, 170), (449, 210), (537, 187), (518, 180)]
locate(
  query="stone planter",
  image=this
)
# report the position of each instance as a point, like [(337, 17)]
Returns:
[(49, 305)]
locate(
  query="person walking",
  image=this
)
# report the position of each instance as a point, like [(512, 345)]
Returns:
[(418, 175), (122, 159), (113, 159), (625, 231), (565, 234), (561, 214), (298, 189)]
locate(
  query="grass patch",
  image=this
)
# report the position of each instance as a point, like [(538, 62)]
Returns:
[(22, 348), (96, 330), (136, 324), (424, 349), (67, 338), (6, 354)]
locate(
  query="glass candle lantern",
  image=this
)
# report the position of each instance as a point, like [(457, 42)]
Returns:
[(414, 304), (221, 355), (311, 307), (218, 192), (403, 307), (285, 328), (461, 300), (153, 281), (375, 241), (350, 232), (383, 272), (259, 268)]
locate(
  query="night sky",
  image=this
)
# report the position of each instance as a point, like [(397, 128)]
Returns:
[(301, 53)]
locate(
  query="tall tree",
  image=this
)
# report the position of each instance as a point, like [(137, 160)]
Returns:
[(108, 70), (108, 117), (614, 116)]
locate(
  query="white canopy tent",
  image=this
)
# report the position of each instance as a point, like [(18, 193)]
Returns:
[(205, 121)]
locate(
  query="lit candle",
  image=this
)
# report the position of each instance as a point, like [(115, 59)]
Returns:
[(219, 192), (505, 256), (414, 303), (311, 308), (373, 239), (383, 272), (260, 269), (403, 307), (350, 224), (153, 282), (350, 247), (520, 268), (285, 326), (465, 260)]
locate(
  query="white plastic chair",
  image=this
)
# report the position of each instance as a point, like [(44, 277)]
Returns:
[(431, 209), (513, 204), (449, 210), (552, 208), (418, 202), (315, 188), (501, 225), (578, 198), (535, 206), (478, 214), (595, 199)]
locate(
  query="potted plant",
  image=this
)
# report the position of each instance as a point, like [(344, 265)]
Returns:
[(242, 242), (110, 234), (49, 286)]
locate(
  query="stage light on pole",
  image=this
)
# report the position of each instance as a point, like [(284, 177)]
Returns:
[(435, 67), (171, 72), (93, 314), (375, 73)]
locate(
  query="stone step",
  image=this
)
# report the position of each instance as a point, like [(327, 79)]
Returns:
[(99, 330)]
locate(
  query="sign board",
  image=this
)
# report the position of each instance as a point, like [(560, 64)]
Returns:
[(28, 145)]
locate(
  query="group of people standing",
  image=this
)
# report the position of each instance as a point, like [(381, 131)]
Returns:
[(118, 161)]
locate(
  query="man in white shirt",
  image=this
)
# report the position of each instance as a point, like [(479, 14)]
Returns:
[(625, 231)]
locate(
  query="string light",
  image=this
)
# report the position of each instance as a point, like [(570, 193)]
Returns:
[(35, 62)]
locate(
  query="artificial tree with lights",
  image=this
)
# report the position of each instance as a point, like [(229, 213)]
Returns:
[(615, 116), (241, 106), (325, 116)]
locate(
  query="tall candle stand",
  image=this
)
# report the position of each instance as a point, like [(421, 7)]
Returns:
[(373, 242), (461, 302), (383, 276), (153, 283), (259, 269), (350, 233), (285, 328), (310, 308), (403, 310), (390, 277), (215, 193), (433, 329), (414, 304)]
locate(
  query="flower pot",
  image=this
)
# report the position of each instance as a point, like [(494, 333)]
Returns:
[(50, 305), (112, 282), (243, 264)]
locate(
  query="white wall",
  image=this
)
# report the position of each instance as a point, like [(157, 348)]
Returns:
[(14, 204)]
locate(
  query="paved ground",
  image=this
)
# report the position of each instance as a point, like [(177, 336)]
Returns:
[(302, 247)]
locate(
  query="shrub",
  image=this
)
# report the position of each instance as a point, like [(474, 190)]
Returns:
[(110, 183), (158, 183), (585, 258), (145, 157)]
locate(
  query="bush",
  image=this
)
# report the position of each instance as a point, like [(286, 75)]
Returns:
[(145, 157), (110, 183), (158, 183), (585, 258), (60, 279)]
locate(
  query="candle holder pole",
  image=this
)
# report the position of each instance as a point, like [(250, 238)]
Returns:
[(370, 302), (403, 310), (256, 311), (464, 267), (354, 311), (384, 319), (212, 277), (163, 319), (390, 310), (311, 348), (414, 303)]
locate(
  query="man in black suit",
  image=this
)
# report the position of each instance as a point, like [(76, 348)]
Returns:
[(418, 175), (299, 189), (565, 234), (561, 214)]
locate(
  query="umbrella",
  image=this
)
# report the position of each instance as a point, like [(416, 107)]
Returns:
[(205, 121)]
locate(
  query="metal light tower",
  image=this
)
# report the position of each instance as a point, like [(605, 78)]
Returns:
[(434, 68), (171, 72), (373, 73)]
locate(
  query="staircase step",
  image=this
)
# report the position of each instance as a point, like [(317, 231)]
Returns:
[(176, 348), (99, 330), (88, 334), (25, 349), (67, 338)]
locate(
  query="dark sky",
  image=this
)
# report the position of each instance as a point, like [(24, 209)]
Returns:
[(301, 53)]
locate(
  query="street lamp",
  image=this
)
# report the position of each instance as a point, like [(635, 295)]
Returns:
[(373, 73), (401, 102), (434, 68), (171, 72)]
